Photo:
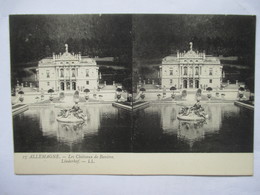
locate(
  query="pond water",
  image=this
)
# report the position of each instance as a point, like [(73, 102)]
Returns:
[(155, 129)]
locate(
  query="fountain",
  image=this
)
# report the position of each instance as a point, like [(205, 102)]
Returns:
[(193, 113)]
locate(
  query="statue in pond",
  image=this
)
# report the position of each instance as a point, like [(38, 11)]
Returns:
[(195, 112), (73, 115)]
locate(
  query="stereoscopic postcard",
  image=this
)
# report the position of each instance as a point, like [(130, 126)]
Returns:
[(135, 94)]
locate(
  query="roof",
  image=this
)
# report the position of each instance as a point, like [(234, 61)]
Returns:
[(190, 56)]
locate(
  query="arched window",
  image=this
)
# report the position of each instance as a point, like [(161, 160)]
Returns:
[(196, 70), (73, 74), (191, 70), (185, 71), (61, 73)]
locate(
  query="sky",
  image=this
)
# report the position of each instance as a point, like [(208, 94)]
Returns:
[(132, 39)]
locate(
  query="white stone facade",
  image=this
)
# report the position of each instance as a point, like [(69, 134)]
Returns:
[(68, 72), (191, 70)]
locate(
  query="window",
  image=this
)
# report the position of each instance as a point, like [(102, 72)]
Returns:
[(191, 71), (210, 71), (197, 71), (47, 73), (171, 72), (87, 73), (87, 82), (170, 81), (48, 83), (61, 73), (73, 72), (185, 71), (210, 80)]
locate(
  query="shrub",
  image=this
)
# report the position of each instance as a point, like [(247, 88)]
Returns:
[(209, 89), (76, 94), (21, 99), (198, 93)]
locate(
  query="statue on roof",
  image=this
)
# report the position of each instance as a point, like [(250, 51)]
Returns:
[(66, 48), (191, 46)]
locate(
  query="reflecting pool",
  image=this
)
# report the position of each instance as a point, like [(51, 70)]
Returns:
[(155, 129), (228, 129), (106, 129)]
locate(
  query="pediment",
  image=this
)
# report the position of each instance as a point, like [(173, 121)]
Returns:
[(191, 54), (67, 56)]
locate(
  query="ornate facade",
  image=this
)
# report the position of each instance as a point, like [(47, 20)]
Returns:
[(191, 70), (67, 72)]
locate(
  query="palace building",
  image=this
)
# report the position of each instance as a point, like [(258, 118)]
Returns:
[(191, 70), (67, 72)]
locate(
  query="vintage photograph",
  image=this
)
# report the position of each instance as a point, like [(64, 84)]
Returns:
[(67, 71), (132, 83)]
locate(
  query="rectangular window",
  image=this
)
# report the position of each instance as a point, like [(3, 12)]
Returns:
[(210, 80), (197, 71), (61, 73), (210, 71), (87, 73), (171, 72), (170, 81), (87, 82), (73, 73), (48, 83), (47, 73), (185, 71)]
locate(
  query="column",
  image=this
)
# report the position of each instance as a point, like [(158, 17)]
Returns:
[(193, 75), (70, 88)]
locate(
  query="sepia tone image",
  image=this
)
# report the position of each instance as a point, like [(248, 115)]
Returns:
[(134, 83)]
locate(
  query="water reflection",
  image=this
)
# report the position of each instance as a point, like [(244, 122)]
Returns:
[(154, 129), (191, 131), (105, 129), (227, 129), (171, 125), (70, 133)]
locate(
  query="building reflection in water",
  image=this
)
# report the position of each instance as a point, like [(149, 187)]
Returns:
[(192, 131), (70, 133)]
